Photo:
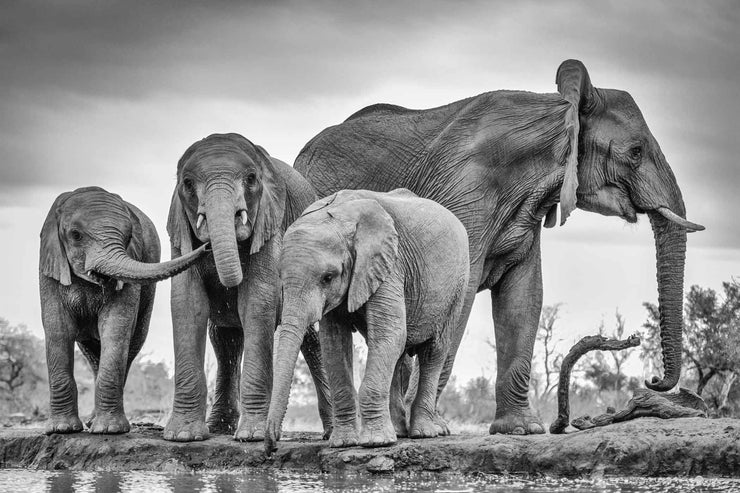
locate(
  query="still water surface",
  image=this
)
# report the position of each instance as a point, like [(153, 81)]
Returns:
[(28, 481)]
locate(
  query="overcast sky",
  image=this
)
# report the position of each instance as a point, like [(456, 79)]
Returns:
[(112, 93)]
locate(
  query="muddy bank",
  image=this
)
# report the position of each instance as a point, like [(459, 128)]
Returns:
[(644, 447)]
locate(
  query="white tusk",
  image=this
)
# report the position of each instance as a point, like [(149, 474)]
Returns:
[(199, 223), (119, 285), (672, 216), (244, 217)]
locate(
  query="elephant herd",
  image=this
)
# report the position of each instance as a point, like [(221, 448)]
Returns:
[(388, 223)]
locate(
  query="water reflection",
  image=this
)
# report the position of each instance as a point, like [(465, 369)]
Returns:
[(28, 481)]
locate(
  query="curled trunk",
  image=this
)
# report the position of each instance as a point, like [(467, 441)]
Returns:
[(119, 265), (220, 211), (670, 251)]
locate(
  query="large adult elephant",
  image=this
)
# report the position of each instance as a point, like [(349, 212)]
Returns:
[(232, 194), (501, 162)]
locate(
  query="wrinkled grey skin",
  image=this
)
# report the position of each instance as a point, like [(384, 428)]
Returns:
[(96, 250), (501, 162), (391, 265), (230, 193)]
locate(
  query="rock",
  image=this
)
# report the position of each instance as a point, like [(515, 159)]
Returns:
[(641, 447), (381, 464)]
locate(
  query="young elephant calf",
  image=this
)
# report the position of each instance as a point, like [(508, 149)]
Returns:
[(95, 251), (393, 266)]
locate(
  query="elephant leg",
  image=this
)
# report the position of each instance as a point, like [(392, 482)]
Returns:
[(386, 340), (258, 303), (60, 331), (423, 411), (311, 349), (190, 309), (90, 349), (228, 344), (336, 352), (399, 387), (476, 271), (115, 325), (517, 303)]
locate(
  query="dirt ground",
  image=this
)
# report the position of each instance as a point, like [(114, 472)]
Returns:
[(643, 447)]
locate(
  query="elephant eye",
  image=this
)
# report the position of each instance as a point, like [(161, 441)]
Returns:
[(75, 235), (327, 278), (188, 184), (636, 152), (251, 179)]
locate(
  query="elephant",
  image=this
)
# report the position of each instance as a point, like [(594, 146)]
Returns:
[(99, 259), (503, 162), (391, 265), (231, 193)]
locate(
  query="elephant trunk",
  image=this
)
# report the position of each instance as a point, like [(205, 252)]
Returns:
[(288, 339), (117, 263), (220, 213), (670, 251)]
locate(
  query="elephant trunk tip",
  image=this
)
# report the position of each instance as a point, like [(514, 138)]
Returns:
[(661, 385)]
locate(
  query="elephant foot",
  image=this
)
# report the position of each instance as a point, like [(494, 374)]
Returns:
[(89, 420), (63, 424), (181, 428), (423, 427), (378, 433), (521, 422), (223, 422), (109, 423), (344, 436), (442, 429), (251, 429)]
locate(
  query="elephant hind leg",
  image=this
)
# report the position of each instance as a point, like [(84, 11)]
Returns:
[(228, 343), (423, 411), (90, 349), (399, 387), (311, 350)]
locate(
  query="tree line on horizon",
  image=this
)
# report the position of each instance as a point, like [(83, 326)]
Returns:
[(711, 367)]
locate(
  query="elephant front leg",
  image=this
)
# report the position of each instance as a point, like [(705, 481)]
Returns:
[(517, 303), (59, 329), (115, 325), (386, 339), (190, 308), (228, 344), (258, 314), (336, 351)]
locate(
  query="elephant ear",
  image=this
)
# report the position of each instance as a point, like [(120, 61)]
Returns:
[(575, 86), (269, 219), (136, 245), (178, 226), (53, 260), (375, 247)]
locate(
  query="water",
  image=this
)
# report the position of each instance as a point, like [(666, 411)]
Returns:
[(30, 481)]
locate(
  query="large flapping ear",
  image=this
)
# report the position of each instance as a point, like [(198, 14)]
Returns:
[(269, 217), (178, 226), (52, 259), (575, 86), (375, 247)]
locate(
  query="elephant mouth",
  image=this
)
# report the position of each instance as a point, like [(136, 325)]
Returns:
[(102, 280)]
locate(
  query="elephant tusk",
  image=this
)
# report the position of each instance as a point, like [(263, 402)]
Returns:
[(672, 216), (199, 223), (244, 217), (119, 285)]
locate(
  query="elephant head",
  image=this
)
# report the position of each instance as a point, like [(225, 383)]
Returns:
[(228, 191), (341, 248), (96, 236), (615, 167)]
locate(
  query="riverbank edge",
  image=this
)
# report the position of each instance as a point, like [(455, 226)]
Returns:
[(643, 447)]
